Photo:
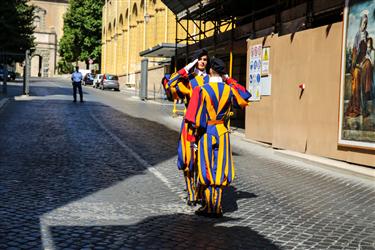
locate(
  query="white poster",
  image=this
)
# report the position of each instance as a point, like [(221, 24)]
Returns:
[(266, 85), (255, 72)]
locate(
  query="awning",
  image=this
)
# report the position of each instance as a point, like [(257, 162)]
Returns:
[(176, 6), (161, 50)]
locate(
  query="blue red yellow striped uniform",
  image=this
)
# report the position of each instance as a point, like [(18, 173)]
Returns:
[(210, 106), (182, 85)]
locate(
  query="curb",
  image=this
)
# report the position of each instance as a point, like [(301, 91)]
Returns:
[(3, 102), (333, 165), (262, 144), (366, 172)]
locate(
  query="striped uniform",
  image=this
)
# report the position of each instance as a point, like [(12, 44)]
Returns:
[(215, 164), (183, 84)]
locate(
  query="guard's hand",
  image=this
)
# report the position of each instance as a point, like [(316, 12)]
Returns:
[(190, 65)]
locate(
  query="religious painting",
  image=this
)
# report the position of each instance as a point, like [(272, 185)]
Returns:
[(357, 95)]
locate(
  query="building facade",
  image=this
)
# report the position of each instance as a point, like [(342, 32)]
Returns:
[(49, 23), (304, 40), (308, 95), (130, 27)]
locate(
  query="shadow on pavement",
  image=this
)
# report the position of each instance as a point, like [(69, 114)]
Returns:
[(53, 153), (15, 88), (45, 91), (178, 231), (230, 197)]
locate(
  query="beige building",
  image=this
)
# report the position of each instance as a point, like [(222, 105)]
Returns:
[(49, 24)]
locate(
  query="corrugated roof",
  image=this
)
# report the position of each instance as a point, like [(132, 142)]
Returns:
[(177, 6), (161, 50)]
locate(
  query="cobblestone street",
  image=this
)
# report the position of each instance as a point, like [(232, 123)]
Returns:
[(102, 175)]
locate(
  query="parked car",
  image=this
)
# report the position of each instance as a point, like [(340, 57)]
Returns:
[(109, 82), (10, 77), (88, 79), (98, 78)]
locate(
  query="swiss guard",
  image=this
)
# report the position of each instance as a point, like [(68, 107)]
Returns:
[(182, 84), (208, 110)]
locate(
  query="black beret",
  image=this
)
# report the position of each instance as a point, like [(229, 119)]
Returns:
[(218, 65), (199, 53)]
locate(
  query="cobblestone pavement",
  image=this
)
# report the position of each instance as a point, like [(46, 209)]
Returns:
[(99, 175)]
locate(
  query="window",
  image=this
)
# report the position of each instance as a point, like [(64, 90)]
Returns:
[(37, 22)]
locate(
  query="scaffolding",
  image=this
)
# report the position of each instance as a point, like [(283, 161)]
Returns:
[(218, 21)]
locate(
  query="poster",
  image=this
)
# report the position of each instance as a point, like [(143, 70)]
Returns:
[(265, 61), (265, 83), (357, 95), (255, 72)]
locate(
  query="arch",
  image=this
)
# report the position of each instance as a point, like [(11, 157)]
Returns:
[(36, 71), (127, 19), (121, 22), (109, 33), (114, 27), (36, 22), (40, 11), (134, 15), (142, 5), (151, 7), (142, 10), (135, 10), (126, 16)]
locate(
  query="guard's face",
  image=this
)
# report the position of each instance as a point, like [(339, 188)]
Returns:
[(364, 24), (202, 63)]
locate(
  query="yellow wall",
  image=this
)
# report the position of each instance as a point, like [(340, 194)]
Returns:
[(121, 46), (120, 52), (308, 124)]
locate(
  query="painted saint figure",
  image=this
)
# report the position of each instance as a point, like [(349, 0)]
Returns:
[(362, 73)]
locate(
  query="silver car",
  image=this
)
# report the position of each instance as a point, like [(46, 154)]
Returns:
[(109, 82), (98, 78)]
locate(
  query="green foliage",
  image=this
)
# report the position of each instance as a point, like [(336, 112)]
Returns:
[(16, 26), (82, 31), (65, 67)]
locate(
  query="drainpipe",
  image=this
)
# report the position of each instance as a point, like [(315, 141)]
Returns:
[(128, 43), (166, 26), (144, 24), (115, 40)]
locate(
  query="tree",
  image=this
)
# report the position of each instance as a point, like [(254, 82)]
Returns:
[(16, 26), (82, 31)]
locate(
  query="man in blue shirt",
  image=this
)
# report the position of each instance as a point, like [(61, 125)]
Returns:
[(76, 82)]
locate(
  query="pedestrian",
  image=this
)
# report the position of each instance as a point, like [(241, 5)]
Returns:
[(77, 83), (207, 112), (182, 84)]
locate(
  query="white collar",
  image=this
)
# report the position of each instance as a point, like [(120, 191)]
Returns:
[(216, 79), (200, 73)]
